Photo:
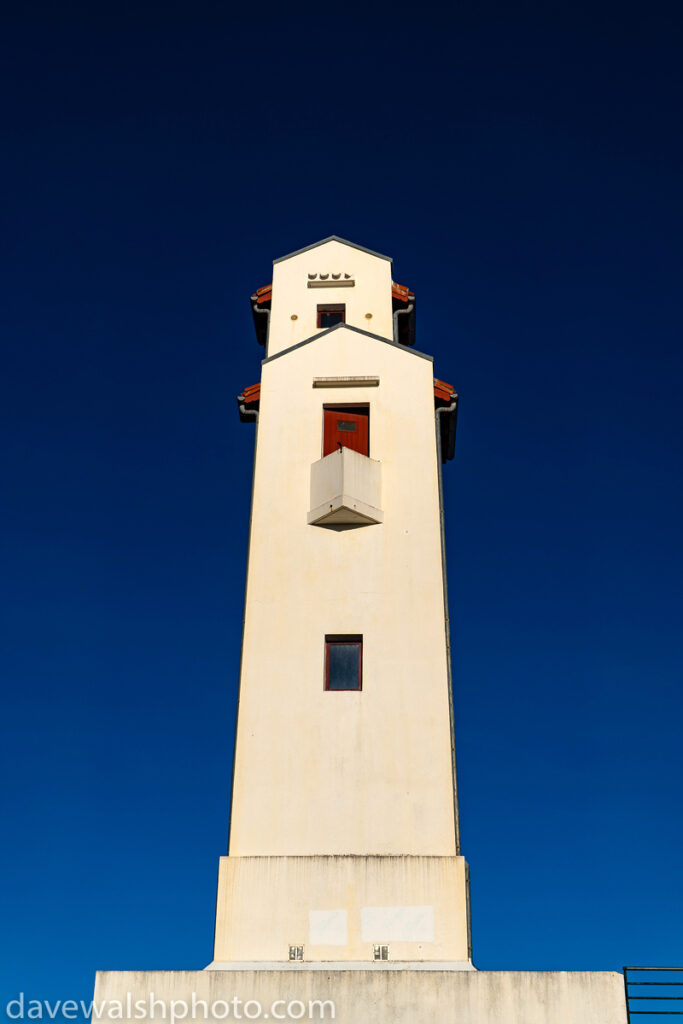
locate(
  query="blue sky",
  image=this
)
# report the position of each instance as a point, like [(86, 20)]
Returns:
[(523, 168)]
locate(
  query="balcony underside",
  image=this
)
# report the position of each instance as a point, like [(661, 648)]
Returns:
[(344, 509)]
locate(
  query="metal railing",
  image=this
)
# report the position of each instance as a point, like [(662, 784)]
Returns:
[(667, 996)]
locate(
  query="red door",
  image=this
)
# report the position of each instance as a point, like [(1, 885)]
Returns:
[(347, 427)]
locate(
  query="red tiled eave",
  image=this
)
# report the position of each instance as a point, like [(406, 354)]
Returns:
[(444, 396), (399, 291), (250, 394), (263, 295), (442, 393)]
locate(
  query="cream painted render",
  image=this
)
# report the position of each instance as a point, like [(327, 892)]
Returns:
[(371, 293), (343, 805), (344, 772)]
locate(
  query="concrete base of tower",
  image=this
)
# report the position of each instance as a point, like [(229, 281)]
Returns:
[(339, 908), (377, 994)]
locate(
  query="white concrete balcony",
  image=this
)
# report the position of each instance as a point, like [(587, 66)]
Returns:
[(345, 488)]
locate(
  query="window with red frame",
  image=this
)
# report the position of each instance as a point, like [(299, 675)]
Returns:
[(328, 316), (343, 662)]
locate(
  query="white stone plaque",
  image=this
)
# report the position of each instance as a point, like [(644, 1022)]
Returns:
[(397, 924)]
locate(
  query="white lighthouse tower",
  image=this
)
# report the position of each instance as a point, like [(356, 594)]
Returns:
[(344, 826), (344, 894)]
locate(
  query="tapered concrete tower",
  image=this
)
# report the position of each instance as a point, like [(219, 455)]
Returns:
[(344, 894), (344, 824)]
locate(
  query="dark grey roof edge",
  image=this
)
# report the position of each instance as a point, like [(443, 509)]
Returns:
[(356, 330), (332, 238)]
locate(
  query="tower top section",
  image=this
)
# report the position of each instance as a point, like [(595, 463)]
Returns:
[(331, 282)]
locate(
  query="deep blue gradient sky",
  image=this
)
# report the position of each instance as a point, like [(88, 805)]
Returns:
[(523, 166)]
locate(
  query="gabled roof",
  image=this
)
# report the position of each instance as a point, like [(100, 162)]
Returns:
[(333, 238), (356, 330)]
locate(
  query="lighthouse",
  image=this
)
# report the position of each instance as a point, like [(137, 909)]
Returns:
[(344, 841), (344, 894)]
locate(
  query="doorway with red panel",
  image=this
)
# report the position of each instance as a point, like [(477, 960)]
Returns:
[(346, 426)]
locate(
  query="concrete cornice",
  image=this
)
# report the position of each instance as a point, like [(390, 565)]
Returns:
[(343, 965)]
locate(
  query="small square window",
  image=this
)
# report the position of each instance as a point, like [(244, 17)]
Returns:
[(380, 952), (343, 662), (328, 316), (296, 952)]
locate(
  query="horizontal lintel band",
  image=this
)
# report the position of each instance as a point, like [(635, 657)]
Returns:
[(346, 382), (332, 284)]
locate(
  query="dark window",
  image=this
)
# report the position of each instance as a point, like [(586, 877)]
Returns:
[(328, 316), (346, 426), (343, 662)]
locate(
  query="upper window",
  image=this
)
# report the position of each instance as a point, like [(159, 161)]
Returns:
[(346, 426), (328, 316), (343, 662)]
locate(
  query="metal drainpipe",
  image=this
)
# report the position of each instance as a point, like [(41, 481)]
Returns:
[(440, 412), (261, 312), (255, 414), (401, 312)]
